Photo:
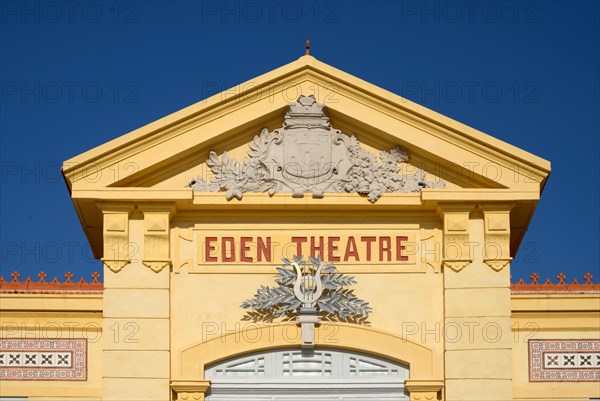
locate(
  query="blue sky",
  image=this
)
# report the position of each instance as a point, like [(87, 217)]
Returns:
[(77, 74)]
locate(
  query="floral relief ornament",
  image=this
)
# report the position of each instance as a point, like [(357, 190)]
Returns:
[(308, 155)]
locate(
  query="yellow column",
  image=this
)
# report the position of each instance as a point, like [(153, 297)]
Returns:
[(136, 358), (477, 329)]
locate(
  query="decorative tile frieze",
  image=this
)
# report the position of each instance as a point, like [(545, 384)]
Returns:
[(31, 359), (564, 360)]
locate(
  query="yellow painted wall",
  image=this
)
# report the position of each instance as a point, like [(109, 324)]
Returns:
[(552, 316), (55, 316)]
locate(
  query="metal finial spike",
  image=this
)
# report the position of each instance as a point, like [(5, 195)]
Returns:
[(307, 47)]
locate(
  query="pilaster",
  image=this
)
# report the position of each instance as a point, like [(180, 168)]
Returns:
[(477, 326), (137, 310)]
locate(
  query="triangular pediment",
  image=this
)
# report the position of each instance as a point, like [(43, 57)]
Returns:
[(158, 161), (328, 156)]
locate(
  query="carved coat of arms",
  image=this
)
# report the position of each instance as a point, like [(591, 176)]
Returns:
[(307, 155)]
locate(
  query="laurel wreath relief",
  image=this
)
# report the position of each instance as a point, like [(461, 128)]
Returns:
[(336, 303)]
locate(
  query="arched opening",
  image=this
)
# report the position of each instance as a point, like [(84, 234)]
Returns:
[(322, 374), (192, 375)]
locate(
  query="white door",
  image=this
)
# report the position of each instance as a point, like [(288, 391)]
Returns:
[(319, 375)]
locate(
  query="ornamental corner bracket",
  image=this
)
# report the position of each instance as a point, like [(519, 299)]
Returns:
[(308, 290), (307, 155)]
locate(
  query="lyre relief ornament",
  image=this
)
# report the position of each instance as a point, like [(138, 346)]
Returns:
[(308, 290)]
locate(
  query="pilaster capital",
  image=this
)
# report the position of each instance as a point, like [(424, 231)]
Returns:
[(455, 219), (456, 264), (496, 217), (115, 265), (157, 218), (423, 389), (192, 390), (497, 264), (156, 265), (115, 233)]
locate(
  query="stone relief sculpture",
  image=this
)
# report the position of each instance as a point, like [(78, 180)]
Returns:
[(310, 290), (307, 155), (308, 287)]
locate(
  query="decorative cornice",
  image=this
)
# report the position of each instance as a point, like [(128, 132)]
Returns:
[(43, 286), (561, 286)]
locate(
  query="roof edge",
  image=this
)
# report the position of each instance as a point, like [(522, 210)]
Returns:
[(309, 63)]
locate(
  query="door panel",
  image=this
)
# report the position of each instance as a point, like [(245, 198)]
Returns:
[(317, 375)]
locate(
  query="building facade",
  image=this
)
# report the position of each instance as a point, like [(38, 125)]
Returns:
[(305, 235)]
